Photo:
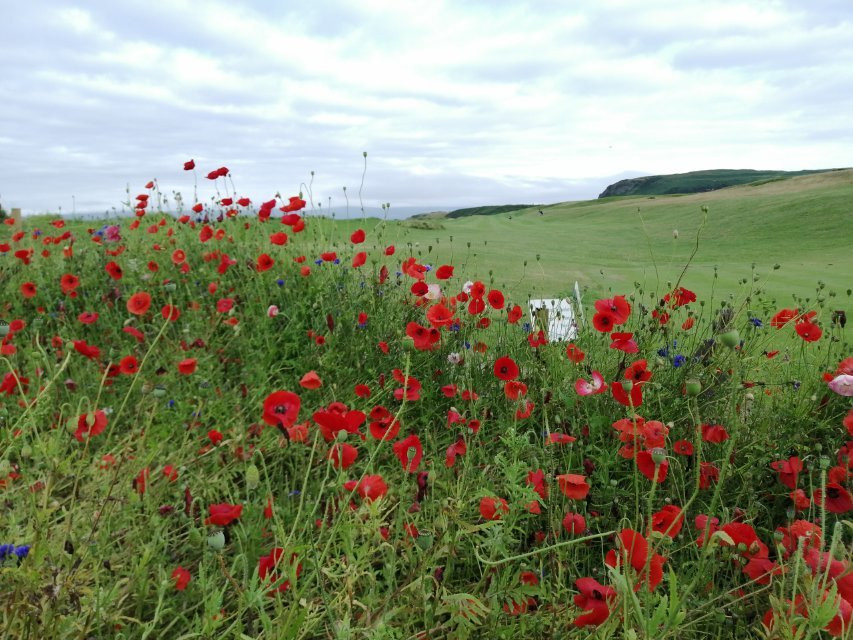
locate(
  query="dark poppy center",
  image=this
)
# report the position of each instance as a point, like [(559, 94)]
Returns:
[(833, 493)]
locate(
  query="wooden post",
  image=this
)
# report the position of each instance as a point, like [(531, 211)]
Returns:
[(16, 215)]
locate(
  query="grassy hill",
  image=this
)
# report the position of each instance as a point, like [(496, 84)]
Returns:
[(796, 223), (696, 181)]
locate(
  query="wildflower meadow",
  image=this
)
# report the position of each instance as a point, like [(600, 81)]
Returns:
[(237, 419)]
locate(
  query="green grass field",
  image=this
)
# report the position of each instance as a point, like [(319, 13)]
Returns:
[(798, 224)]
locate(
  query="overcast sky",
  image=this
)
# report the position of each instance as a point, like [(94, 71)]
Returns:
[(457, 103)]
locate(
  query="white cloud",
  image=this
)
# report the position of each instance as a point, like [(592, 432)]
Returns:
[(457, 103)]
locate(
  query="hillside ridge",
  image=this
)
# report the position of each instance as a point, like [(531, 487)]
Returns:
[(698, 181)]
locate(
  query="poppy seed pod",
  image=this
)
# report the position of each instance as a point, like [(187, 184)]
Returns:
[(693, 387), (730, 338), (216, 541)]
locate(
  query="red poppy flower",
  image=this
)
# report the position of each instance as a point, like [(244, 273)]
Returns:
[(139, 303), (514, 314), (783, 317), (807, 331), (621, 396), (638, 373), (788, 470), (88, 317), (633, 551), (311, 381), (113, 270), (69, 283), (595, 599), (90, 424), (536, 479), (342, 455), (189, 165), (425, 339), (837, 499), (215, 437), (560, 438), (714, 433), (181, 577), (688, 324), (597, 385), (574, 524), (496, 299), (87, 350), (439, 315), (187, 366), (224, 305), (708, 474), (680, 297), (617, 307), (573, 485), (574, 353), (668, 520), (410, 452), (624, 342), (269, 567), (336, 418), (357, 236), (279, 238), (295, 204), (264, 262), (178, 257), (506, 368), (649, 468), (28, 290), (493, 508), (128, 365), (513, 390), (603, 322), (370, 488), (136, 333), (223, 514), (458, 448), (444, 272), (683, 447), (281, 408), (359, 259)]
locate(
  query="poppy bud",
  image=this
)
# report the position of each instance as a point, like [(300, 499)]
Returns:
[(5, 468), (253, 477), (194, 537), (693, 387), (730, 338), (216, 541), (170, 287), (26, 452), (4, 329), (658, 455), (159, 391)]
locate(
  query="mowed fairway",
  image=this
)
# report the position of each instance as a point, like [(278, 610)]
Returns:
[(803, 224)]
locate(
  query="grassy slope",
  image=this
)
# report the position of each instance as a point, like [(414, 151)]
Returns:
[(697, 181), (798, 223)]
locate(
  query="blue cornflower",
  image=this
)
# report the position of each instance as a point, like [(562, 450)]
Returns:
[(23, 551), (171, 403), (796, 384), (428, 267), (455, 327), (337, 261), (318, 261), (5, 550), (467, 345), (678, 361), (280, 282), (664, 352), (526, 326), (756, 322), (295, 492)]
